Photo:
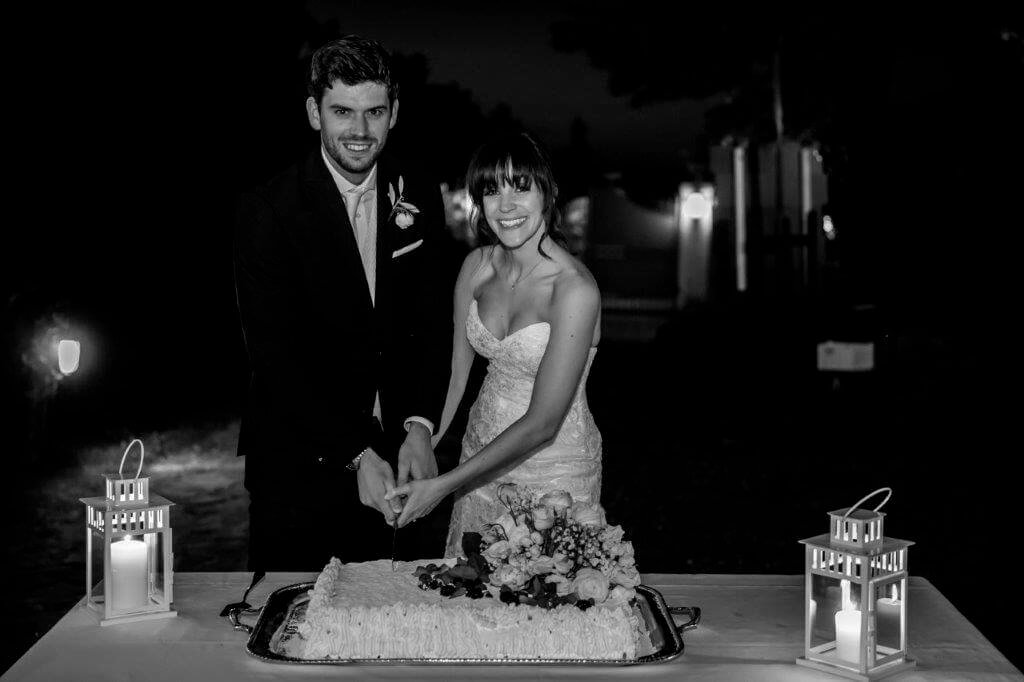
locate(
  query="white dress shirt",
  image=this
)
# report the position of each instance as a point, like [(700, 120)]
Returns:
[(361, 204)]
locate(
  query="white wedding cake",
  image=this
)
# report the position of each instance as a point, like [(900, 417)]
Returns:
[(548, 579), (369, 611)]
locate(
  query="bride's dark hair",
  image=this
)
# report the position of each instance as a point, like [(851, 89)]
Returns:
[(521, 161)]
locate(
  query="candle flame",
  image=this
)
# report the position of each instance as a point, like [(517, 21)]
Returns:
[(895, 593)]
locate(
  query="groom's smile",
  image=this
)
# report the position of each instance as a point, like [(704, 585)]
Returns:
[(353, 121)]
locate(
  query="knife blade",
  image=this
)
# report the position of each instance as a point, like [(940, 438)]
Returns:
[(396, 506), (394, 545)]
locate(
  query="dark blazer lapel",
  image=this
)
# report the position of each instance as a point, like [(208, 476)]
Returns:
[(335, 228), (384, 239)]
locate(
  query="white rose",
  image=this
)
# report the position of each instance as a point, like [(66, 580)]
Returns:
[(543, 518), (518, 533), (508, 575), (587, 514), (591, 584), (620, 593), (563, 585), (612, 535), (497, 552), (541, 565), (563, 565), (627, 577), (557, 500), (507, 523), (404, 219), (627, 561)]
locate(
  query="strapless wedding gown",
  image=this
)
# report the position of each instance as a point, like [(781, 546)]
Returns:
[(572, 462)]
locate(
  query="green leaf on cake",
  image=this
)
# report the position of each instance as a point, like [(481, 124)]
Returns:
[(471, 543), (463, 571)]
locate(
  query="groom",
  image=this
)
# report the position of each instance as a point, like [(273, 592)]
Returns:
[(347, 324)]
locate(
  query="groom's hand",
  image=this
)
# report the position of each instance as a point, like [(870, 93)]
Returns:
[(376, 479), (416, 456)]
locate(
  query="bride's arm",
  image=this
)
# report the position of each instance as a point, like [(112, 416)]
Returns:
[(575, 307), (462, 352)]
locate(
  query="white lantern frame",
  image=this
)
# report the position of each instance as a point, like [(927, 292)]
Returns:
[(129, 510), (856, 552)]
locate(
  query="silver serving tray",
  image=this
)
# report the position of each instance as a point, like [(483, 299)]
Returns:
[(278, 615)]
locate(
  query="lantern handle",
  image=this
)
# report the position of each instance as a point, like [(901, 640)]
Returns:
[(868, 497), (142, 456)]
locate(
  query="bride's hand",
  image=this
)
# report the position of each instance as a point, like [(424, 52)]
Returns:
[(420, 498), (416, 456)]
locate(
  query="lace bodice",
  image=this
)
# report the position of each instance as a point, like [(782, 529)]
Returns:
[(571, 462)]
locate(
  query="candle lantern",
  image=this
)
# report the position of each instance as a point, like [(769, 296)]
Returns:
[(855, 611), (128, 543)]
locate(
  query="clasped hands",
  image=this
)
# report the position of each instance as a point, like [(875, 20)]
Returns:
[(377, 484)]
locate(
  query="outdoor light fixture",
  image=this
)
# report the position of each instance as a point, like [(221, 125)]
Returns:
[(696, 204), (828, 227), (134, 528), (69, 352), (855, 610), (694, 207)]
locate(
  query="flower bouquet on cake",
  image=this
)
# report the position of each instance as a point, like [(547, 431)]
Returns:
[(543, 551)]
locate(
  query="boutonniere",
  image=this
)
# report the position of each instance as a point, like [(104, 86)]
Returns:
[(402, 211)]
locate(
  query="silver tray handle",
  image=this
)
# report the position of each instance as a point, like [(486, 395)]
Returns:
[(233, 613), (693, 612)]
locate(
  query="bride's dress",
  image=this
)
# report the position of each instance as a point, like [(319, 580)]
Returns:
[(572, 462)]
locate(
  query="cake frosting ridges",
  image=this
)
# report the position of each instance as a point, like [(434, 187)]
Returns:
[(369, 611)]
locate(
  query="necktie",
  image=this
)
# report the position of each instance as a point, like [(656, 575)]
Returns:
[(361, 213)]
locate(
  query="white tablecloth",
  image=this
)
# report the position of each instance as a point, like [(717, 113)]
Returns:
[(752, 629)]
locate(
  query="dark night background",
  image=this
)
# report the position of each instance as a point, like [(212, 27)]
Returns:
[(133, 132)]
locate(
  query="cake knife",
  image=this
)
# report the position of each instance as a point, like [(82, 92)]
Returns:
[(394, 545), (397, 508)]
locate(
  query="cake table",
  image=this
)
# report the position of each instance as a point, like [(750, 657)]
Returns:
[(752, 629)]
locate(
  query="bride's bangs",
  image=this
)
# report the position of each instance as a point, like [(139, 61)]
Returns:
[(514, 175), (517, 164)]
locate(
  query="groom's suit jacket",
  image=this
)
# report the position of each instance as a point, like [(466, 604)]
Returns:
[(319, 348)]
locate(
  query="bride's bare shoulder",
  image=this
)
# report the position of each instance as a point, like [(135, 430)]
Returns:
[(574, 276), (575, 286), (477, 264)]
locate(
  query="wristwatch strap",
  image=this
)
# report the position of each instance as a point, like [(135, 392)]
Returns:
[(376, 443), (354, 464)]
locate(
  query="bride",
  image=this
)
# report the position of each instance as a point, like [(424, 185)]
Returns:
[(533, 310)]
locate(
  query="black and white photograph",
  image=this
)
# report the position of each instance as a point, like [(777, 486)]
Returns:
[(545, 340)]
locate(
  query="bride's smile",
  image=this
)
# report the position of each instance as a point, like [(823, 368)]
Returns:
[(515, 211)]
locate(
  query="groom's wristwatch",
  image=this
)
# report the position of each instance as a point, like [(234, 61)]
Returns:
[(354, 464), (376, 436)]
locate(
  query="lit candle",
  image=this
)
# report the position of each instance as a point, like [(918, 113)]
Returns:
[(128, 563), (888, 619), (848, 628), (814, 612)]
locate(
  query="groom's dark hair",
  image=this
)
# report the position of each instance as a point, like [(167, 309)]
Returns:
[(353, 60)]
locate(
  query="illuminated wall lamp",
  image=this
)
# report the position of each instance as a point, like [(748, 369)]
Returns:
[(69, 352)]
